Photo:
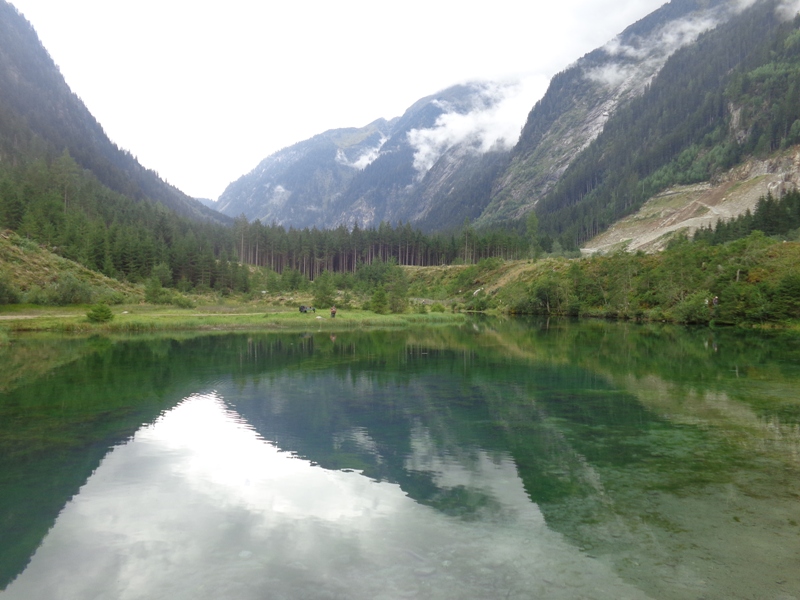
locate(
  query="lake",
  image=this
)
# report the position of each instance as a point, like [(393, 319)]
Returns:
[(501, 458)]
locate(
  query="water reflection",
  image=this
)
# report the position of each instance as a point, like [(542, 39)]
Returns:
[(199, 506), (504, 459)]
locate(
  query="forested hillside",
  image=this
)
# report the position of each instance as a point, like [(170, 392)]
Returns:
[(40, 117), (732, 94), (66, 187), (581, 99)]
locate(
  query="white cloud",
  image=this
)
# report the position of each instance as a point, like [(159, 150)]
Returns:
[(364, 159), (214, 90), (495, 122), (788, 9), (670, 38)]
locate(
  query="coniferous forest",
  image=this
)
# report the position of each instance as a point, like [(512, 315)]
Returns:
[(66, 209), (733, 94)]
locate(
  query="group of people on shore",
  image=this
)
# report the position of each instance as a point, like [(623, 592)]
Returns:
[(308, 309)]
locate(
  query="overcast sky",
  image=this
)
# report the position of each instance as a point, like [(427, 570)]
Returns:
[(202, 91)]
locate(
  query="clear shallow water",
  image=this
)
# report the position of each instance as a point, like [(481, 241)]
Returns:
[(497, 460)]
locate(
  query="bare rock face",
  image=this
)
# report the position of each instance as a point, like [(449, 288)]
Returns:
[(685, 209)]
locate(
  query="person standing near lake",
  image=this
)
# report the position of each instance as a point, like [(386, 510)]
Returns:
[(333, 312)]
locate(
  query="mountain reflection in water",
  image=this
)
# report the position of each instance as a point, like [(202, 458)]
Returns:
[(508, 460)]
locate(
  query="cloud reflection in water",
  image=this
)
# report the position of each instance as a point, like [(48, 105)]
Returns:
[(198, 505)]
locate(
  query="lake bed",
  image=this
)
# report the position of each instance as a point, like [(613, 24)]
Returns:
[(495, 459)]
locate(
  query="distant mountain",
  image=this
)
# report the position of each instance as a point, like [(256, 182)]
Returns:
[(387, 171), (297, 185), (40, 117), (207, 202), (434, 166)]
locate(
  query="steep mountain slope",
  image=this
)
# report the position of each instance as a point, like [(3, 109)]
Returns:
[(436, 166), (395, 171), (40, 117), (731, 95), (581, 99), (296, 185), (687, 208)]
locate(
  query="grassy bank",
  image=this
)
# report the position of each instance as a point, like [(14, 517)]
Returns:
[(130, 319)]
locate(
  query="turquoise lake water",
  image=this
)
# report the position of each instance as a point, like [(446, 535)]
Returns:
[(496, 459)]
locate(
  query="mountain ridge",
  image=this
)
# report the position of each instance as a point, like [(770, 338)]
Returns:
[(436, 187), (40, 115)]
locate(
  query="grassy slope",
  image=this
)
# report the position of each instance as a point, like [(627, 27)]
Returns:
[(26, 265)]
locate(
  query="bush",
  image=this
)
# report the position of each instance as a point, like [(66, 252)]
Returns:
[(100, 313), (154, 293), (479, 302), (437, 308), (68, 290), (695, 308), (9, 294), (181, 301), (111, 297), (163, 273), (323, 290), (379, 302)]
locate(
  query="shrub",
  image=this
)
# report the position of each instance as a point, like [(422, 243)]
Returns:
[(437, 307), (100, 313), (154, 293), (181, 301), (163, 273), (68, 290), (379, 302), (111, 297), (9, 294), (479, 302), (695, 308), (323, 290)]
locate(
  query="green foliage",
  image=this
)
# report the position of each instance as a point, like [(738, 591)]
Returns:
[(774, 217), (397, 288), (437, 307), (754, 279), (163, 273), (479, 302), (9, 294), (324, 291), (379, 303), (292, 280), (154, 293), (695, 308), (100, 313), (734, 93), (374, 274), (68, 289), (181, 301)]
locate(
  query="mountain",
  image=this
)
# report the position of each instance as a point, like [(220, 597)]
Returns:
[(296, 185), (581, 100), (394, 171), (435, 166), (40, 117)]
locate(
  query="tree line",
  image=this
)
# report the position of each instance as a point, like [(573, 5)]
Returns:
[(65, 208)]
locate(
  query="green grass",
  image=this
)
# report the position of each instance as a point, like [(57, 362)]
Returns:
[(143, 319)]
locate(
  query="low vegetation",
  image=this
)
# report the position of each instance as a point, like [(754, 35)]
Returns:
[(732, 275)]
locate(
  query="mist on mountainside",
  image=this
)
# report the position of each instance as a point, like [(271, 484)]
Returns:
[(467, 152)]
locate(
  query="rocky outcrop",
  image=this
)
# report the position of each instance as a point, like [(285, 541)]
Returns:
[(684, 209)]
